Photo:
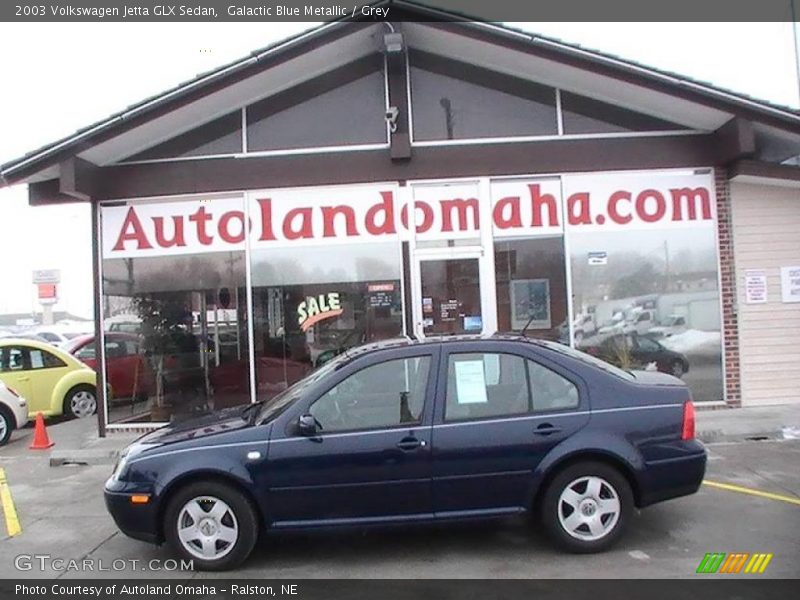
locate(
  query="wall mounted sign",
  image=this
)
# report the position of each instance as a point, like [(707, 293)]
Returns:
[(755, 286), (790, 284), (598, 258), (318, 308), (530, 206)]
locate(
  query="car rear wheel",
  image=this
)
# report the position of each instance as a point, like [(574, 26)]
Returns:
[(676, 369), (586, 507), (81, 402), (212, 524), (6, 425)]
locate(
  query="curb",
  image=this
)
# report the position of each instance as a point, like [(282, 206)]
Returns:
[(91, 457)]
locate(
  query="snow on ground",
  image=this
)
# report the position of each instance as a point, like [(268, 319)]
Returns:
[(693, 341)]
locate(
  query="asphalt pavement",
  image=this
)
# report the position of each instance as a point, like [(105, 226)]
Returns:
[(62, 515)]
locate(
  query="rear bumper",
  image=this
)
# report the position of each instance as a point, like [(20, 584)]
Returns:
[(673, 477), (138, 521)]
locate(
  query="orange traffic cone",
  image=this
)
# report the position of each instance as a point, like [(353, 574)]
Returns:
[(40, 439)]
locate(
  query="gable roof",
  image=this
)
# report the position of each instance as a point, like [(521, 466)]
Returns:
[(552, 61)]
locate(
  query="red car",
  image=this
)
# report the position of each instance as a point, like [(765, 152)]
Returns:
[(129, 373)]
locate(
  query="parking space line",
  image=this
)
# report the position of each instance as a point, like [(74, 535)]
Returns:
[(753, 492), (12, 522)]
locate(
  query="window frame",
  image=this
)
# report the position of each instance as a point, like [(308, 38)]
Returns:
[(359, 364), (498, 347)]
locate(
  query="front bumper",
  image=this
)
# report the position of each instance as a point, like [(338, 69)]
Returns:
[(138, 521), (673, 477)]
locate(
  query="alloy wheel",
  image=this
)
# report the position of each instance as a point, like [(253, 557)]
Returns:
[(589, 508), (207, 528)]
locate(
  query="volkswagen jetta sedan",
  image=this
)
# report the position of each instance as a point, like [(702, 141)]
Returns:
[(401, 431)]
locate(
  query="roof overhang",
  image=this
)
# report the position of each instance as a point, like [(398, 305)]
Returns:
[(308, 55)]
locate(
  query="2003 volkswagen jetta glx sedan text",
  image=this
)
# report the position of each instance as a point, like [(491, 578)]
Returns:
[(402, 431)]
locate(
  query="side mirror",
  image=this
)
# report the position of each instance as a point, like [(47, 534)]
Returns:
[(308, 425)]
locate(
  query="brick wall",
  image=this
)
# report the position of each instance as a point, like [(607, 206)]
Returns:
[(730, 323)]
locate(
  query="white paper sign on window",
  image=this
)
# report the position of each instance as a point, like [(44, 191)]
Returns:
[(755, 286), (790, 284), (470, 382)]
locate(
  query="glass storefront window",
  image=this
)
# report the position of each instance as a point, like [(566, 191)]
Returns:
[(650, 300), (310, 306), (531, 287)]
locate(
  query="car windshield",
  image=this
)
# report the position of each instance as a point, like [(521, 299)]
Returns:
[(275, 406), (587, 358)]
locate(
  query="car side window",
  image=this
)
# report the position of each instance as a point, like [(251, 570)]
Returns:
[(12, 359), (481, 385), (88, 352), (388, 394), (648, 345), (550, 391), (44, 360)]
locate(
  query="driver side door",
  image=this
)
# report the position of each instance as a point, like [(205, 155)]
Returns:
[(370, 461)]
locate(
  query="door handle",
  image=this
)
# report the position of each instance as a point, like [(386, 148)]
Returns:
[(410, 444), (546, 429), (23, 378)]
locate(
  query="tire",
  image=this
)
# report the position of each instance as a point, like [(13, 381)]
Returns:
[(676, 369), (593, 530), (231, 534), (7, 424), (80, 402)]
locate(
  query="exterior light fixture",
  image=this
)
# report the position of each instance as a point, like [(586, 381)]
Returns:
[(393, 43)]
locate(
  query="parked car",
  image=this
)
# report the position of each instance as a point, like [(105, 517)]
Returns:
[(13, 412), (52, 336), (640, 352), (51, 380), (404, 431), (582, 327), (672, 325), (129, 373)]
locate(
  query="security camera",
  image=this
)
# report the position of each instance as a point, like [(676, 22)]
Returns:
[(391, 118)]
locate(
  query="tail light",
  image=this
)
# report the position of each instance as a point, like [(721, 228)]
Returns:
[(687, 431), (13, 391)]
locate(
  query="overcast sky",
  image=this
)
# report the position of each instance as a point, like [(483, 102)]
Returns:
[(61, 77)]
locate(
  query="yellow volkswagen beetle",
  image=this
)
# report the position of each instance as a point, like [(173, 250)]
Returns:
[(51, 380)]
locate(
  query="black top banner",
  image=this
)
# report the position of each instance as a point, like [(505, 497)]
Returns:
[(399, 10), (204, 587)]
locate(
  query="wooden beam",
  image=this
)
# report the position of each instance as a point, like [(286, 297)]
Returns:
[(77, 178), (736, 140), (396, 76), (46, 193), (429, 162)]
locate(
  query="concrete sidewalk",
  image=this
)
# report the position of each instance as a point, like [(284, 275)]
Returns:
[(736, 424)]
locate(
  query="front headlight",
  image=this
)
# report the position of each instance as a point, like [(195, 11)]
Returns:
[(125, 457), (121, 464)]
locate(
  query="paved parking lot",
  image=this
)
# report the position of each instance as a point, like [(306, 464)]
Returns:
[(61, 513)]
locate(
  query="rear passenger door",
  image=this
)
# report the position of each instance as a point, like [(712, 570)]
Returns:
[(499, 411)]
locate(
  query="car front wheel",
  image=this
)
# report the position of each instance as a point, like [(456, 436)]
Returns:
[(586, 507), (211, 524)]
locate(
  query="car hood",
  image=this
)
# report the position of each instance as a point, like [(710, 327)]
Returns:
[(656, 378), (205, 425)]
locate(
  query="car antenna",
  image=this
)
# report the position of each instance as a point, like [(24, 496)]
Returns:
[(524, 329)]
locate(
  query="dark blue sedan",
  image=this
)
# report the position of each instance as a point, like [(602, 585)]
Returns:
[(402, 431)]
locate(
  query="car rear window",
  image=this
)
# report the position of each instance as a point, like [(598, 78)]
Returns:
[(588, 358)]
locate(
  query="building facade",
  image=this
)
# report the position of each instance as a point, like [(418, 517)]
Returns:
[(372, 180)]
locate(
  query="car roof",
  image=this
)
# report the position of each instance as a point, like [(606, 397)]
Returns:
[(47, 347), (442, 339)]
